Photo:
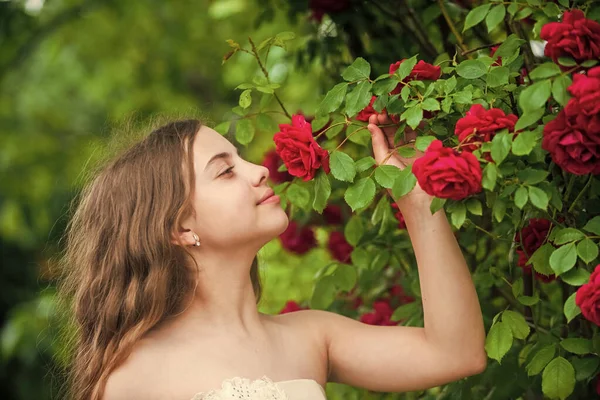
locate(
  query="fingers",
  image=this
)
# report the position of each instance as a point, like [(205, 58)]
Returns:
[(378, 140)]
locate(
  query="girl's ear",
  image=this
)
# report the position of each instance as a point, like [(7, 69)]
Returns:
[(183, 237)]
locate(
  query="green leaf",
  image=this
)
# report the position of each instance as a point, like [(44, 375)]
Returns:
[(521, 197), (567, 61), (365, 163), (517, 287), (223, 127), (495, 16), (587, 250), (559, 89), (517, 324), (524, 143), (501, 144), (386, 175), (535, 96), (498, 76), (381, 102), (342, 166), (538, 198), (576, 277), (458, 215), (431, 104), (567, 235), (245, 98), (450, 84), (244, 131), (471, 69), (384, 86), (405, 311), (359, 69), (585, 367), (322, 191), (406, 67), (358, 98), (558, 379), (593, 225), (354, 230), (498, 341), (529, 118), (333, 99), (563, 258), (404, 183), (579, 346), (546, 70), (541, 259), (528, 300), (285, 35), (532, 176), (540, 360), (523, 13), (423, 142), (474, 206), (324, 293), (436, 204), (509, 46), (570, 309), (360, 194), (298, 195), (413, 116), (476, 15), (490, 174)]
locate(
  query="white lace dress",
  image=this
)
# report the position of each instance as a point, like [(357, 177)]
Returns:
[(264, 388)]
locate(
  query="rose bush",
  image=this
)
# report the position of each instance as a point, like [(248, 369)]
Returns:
[(511, 145)]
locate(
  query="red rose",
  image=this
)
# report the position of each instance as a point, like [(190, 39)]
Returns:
[(332, 214), (298, 240), (421, 71), (397, 291), (338, 246), (369, 110), (272, 161), (291, 306), (445, 173), (576, 37), (573, 140), (587, 297), (299, 150), (586, 91), (399, 216), (481, 125), (381, 314), (321, 7), (531, 238)]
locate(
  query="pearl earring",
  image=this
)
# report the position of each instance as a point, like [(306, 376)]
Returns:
[(197, 240)]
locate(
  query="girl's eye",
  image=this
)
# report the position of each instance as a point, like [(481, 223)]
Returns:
[(227, 171)]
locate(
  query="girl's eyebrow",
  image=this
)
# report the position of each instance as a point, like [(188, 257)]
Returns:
[(222, 155)]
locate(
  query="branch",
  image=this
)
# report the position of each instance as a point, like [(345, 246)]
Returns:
[(459, 38), (266, 73)]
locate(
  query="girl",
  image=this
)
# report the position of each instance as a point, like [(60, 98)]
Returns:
[(163, 282)]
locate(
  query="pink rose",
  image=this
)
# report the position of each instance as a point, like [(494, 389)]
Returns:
[(586, 92), (297, 239), (339, 248), (272, 161), (421, 71), (481, 125)]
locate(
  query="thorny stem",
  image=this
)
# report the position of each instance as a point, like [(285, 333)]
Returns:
[(266, 73)]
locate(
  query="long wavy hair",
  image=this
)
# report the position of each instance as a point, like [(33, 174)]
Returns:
[(120, 274)]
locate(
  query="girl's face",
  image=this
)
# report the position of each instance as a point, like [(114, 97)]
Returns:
[(228, 189)]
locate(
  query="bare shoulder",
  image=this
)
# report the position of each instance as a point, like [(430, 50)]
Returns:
[(131, 379)]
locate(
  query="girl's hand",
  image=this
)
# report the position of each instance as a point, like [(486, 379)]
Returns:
[(383, 145)]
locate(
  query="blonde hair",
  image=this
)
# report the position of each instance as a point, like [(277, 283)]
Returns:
[(119, 273)]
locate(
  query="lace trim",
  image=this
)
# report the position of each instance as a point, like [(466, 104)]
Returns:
[(244, 388)]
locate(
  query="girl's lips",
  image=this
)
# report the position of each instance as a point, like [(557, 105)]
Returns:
[(269, 200)]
